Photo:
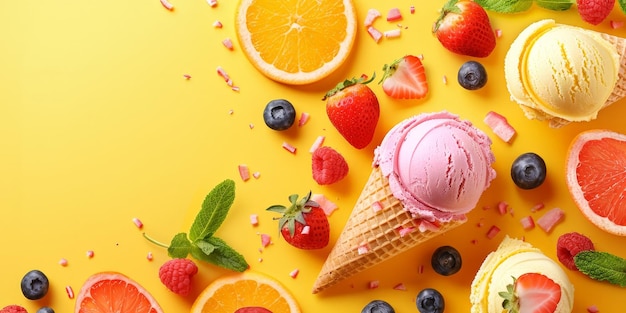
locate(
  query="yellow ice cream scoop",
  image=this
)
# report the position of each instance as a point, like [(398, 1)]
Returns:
[(562, 73)]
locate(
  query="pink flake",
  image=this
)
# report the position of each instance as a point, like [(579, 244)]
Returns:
[(212, 3), (420, 269), (187, 76), (593, 309), (498, 33), (502, 207), (166, 4), (137, 223), (251, 126), (235, 88), (254, 219), (616, 24), (399, 286), (304, 117), (265, 240), (149, 256), (228, 44), (394, 15), (319, 141), (363, 248), (222, 73), (527, 222), (89, 254), (328, 206), (373, 284), (289, 147), (412, 9), (217, 24), (63, 262), (230, 83), (493, 231), (444, 79), (374, 33), (377, 206), (244, 172), (372, 15), (537, 207), (405, 231), (500, 126), (550, 219), (294, 273), (69, 291), (474, 241), (256, 175), (427, 226), (394, 33)]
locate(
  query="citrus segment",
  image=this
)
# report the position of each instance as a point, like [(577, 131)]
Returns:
[(111, 292), (596, 178), (230, 293), (296, 41)]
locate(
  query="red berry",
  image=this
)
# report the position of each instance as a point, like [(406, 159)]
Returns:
[(13, 309), (176, 275), (568, 245), (594, 11), (328, 166)]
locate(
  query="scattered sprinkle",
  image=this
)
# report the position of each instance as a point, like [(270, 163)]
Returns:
[(235, 88), (493, 231), (69, 291), (265, 240), (373, 284), (372, 15), (256, 175), (537, 207), (377, 206), (405, 231), (528, 222), (374, 33), (420, 269), (498, 33), (244, 172), (474, 241), (294, 273), (503, 207), (363, 248), (305, 230), (222, 73), (328, 206), (137, 223), (444, 79), (289, 147), (89, 254), (412, 9), (394, 15), (319, 141), (616, 24), (420, 56), (251, 126), (228, 43), (212, 3), (500, 126), (231, 111), (254, 219), (394, 33), (149, 257), (166, 4), (63, 262), (399, 286), (593, 309), (260, 260), (187, 76), (217, 24), (304, 117), (550, 219)]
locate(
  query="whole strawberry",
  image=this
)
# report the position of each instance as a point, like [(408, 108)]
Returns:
[(304, 224), (13, 309), (353, 109), (328, 166), (464, 28), (176, 275), (594, 11)]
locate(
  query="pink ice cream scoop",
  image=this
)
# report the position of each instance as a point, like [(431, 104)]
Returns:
[(437, 165)]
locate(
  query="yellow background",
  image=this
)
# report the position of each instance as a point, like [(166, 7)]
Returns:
[(98, 125)]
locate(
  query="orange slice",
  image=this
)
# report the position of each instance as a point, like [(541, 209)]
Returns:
[(296, 41), (110, 292), (596, 178), (249, 289)]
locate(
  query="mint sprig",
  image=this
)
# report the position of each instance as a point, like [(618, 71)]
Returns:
[(516, 6), (602, 266), (200, 242)]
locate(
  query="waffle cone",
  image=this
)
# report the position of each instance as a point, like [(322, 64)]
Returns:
[(378, 231)]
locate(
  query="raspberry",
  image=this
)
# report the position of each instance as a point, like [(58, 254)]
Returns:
[(328, 166), (176, 275), (13, 309), (594, 11), (569, 245)]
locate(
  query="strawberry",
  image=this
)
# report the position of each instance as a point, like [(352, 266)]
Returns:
[(405, 78), (353, 109), (176, 275), (464, 28), (13, 309), (328, 166), (304, 224), (531, 293), (594, 11)]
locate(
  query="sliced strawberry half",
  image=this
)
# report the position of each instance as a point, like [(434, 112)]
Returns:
[(405, 78), (532, 293)]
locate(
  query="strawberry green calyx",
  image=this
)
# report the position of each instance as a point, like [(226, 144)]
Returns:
[(511, 302), (294, 213), (347, 83), (449, 7), (389, 69)]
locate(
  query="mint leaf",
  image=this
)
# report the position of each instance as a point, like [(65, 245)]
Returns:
[(214, 210), (179, 247), (506, 6), (555, 5), (602, 266), (622, 5), (222, 255)]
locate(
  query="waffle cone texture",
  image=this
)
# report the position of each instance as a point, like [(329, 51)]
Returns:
[(372, 233)]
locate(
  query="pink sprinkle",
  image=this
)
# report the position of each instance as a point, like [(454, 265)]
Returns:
[(377, 206), (149, 256), (63, 262), (445, 79), (256, 175), (212, 3), (265, 240), (616, 24), (294, 273), (217, 24), (187, 76), (222, 73), (498, 33), (363, 248), (260, 260), (254, 219), (228, 43), (244, 172), (304, 117), (166, 4), (395, 33), (229, 82), (373, 284), (251, 126), (550, 219), (412, 9), (328, 206), (537, 207), (420, 56), (235, 88), (493, 231), (405, 231), (474, 241), (420, 269), (289, 147), (399, 286), (138, 223), (502, 207), (394, 15), (318, 143), (69, 291), (374, 33), (305, 230), (372, 15), (593, 309), (231, 111), (499, 125), (527, 222), (90, 254)]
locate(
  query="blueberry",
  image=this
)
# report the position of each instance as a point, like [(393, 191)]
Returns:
[(45, 309), (528, 171), (279, 114), (446, 260), (35, 285), (472, 75), (430, 301), (378, 306)]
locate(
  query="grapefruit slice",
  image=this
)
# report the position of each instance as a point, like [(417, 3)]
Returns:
[(233, 293), (110, 292), (596, 178)]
